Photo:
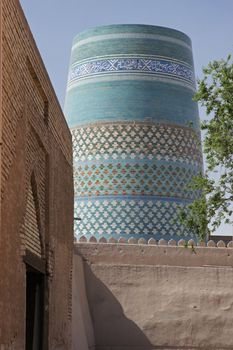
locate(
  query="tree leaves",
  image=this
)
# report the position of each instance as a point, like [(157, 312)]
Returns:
[(215, 93)]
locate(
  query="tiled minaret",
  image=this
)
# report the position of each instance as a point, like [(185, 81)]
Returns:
[(135, 130)]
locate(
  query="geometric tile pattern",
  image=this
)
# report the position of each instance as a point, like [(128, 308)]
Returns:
[(128, 216), (159, 66), (135, 140), (140, 178), (131, 177), (129, 100)]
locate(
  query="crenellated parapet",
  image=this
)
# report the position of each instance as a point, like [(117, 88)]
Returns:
[(171, 295), (162, 242)]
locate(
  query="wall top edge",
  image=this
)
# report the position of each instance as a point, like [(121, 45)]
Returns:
[(162, 242), (161, 254)]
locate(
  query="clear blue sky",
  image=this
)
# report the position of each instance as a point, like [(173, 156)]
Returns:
[(54, 23)]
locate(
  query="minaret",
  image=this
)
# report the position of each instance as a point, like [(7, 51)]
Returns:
[(135, 128)]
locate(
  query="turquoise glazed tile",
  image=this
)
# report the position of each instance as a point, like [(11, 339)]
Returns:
[(135, 128)]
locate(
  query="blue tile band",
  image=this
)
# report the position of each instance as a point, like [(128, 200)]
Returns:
[(134, 65)]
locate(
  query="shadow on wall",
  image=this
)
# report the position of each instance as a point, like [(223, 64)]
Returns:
[(113, 330)]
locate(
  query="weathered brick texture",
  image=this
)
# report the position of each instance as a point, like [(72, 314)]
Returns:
[(36, 186), (33, 240)]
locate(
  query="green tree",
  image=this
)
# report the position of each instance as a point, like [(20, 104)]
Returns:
[(214, 206)]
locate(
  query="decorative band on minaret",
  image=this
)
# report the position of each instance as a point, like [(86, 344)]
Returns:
[(135, 128)]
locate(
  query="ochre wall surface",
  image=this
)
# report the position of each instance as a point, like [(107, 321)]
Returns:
[(158, 297), (36, 187)]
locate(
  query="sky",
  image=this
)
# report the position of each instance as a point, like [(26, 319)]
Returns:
[(54, 23)]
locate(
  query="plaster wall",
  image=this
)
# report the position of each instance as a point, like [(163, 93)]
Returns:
[(158, 297), (82, 328)]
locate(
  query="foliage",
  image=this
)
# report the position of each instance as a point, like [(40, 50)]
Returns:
[(215, 93)]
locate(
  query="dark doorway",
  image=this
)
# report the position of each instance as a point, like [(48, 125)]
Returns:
[(34, 309)]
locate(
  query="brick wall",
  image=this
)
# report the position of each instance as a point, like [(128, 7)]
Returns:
[(36, 185)]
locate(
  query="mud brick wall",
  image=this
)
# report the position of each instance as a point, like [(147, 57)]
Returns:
[(152, 296), (36, 186)]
